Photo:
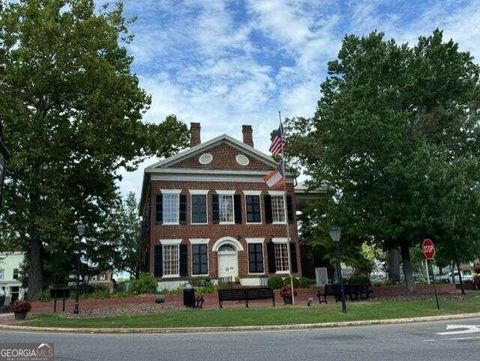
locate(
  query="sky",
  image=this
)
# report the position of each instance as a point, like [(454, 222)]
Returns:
[(225, 63)]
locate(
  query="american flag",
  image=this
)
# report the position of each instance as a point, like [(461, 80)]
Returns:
[(278, 141)]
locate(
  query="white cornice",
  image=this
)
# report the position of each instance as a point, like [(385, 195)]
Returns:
[(233, 178), (212, 142)]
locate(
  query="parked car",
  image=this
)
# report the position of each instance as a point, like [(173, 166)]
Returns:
[(467, 276)]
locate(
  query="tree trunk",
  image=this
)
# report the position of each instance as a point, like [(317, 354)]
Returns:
[(393, 262), (35, 274), (407, 268)]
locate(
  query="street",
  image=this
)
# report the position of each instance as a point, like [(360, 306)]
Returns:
[(445, 340)]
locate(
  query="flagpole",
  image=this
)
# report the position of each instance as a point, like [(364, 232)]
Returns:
[(286, 213)]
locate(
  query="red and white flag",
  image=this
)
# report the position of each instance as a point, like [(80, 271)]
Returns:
[(275, 178)]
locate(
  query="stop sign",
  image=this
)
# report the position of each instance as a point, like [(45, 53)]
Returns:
[(428, 249)]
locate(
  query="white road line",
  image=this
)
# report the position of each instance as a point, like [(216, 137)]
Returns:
[(460, 329)]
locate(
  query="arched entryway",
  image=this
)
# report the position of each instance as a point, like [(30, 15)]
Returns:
[(227, 252)]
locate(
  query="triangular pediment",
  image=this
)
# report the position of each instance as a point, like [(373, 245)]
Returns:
[(223, 152)]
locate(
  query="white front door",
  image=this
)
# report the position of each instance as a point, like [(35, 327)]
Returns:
[(227, 262)]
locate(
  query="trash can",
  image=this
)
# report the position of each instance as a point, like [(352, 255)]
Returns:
[(189, 296)]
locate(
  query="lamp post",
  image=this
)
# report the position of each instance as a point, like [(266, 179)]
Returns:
[(335, 234), (81, 232), (4, 157)]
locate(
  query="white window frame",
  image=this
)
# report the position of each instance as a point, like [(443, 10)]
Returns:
[(171, 242), (202, 192), (281, 241), (199, 241), (169, 192), (253, 193), (285, 213), (230, 193), (256, 241)]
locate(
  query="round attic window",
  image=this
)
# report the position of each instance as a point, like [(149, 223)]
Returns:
[(205, 158), (242, 159)]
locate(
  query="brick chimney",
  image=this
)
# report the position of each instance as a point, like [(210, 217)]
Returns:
[(194, 134), (247, 134)]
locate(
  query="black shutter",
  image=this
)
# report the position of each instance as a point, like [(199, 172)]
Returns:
[(271, 257), (215, 209), (237, 203), (290, 209), (158, 272), (183, 209), (183, 260), (268, 208), (203, 259), (293, 257), (159, 209)]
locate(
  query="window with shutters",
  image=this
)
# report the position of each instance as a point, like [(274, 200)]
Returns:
[(278, 209), (199, 208), (171, 206), (253, 208), (281, 257), (199, 259), (171, 258), (225, 206), (255, 258)]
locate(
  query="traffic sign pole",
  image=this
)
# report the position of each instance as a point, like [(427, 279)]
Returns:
[(428, 249)]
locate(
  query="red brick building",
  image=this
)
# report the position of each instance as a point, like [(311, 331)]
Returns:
[(208, 213)]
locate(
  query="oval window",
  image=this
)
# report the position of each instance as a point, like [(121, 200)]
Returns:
[(242, 159), (205, 158)]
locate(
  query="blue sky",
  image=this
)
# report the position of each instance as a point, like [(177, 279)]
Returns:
[(227, 63)]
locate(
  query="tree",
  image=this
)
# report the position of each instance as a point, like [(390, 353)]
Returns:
[(72, 114), (395, 137), (124, 228)]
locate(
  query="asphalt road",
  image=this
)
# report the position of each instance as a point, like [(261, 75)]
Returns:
[(416, 342)]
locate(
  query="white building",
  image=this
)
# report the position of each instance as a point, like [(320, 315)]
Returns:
[(9, 276)]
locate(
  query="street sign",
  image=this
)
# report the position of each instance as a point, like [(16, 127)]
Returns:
[(428, 249)]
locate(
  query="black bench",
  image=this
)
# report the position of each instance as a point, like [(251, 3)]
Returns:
[(245, 294), (354, 291)]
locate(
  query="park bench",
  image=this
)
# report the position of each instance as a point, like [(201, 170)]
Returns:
[(355, 292), (245, 294)]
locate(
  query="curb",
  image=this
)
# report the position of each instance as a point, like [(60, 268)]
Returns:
[(300, 326)]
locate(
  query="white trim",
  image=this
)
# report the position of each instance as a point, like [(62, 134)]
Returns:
[(213, 171), (170, 191), (280, 240), (198, 191), (229, 240), (199, 240), (170, 242), (232, 178), (282, 273), (226, 192), (276, 193), (172, 276), (255, 240), (252, 193), (202, 147)]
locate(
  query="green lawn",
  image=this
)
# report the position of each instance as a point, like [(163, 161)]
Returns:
[(257, 315)]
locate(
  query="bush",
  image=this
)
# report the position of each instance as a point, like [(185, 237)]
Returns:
[(275, 282), (146, 283), (296, 282), (358, 280), (305, 282), (20, 306), (42, 296)]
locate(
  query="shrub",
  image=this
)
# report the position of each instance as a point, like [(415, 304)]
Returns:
[(20, 306), (305, 282), (359, 280), (275, 282), (144, 284), (296, 282), (42, 296)]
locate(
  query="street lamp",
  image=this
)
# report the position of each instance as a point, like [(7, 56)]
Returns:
[(335, 234), (81, 232)]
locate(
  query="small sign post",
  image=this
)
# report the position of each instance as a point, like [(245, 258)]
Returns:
[(428, 249)]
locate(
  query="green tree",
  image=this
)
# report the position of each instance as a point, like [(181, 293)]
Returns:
[(72, 114), (395, 137), (124, 230)]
